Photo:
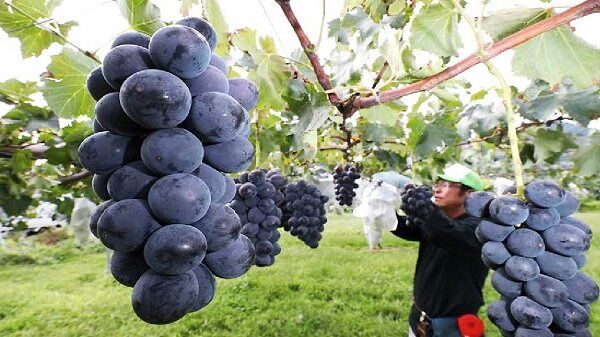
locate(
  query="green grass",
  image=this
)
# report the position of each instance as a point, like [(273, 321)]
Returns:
[(339, 289)]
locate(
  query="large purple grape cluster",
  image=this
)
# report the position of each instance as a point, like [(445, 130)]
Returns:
[(168, 126), (536, 249)]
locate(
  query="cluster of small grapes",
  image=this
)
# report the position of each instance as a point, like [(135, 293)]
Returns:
[(416, 204), (344, 179), (259, 195), (536, 249), (304, 212), (168, 126)]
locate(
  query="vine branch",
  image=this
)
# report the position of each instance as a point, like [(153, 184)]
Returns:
[(309, 50), (75, 177), (585, 8)]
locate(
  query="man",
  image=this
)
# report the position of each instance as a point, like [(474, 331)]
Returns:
[(449, 275)]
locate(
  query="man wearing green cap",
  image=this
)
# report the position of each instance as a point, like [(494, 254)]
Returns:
[(449, 276)]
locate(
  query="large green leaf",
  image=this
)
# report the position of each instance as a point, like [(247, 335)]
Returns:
[(64, 85), (76, 132), (387, 114), (587, 160), (30, 22), (503, 23), (378, 133), (214, 14), (142, 15), (581, 105), (556, 55), (435, 30), (309, 103), (549, 144), (268, 70), (13, 91), (425, 137)]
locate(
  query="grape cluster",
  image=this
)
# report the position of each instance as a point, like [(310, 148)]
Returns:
[(344, 179), (304, 212), (535, 249), (257, 200), (416, 204), (168, 126)]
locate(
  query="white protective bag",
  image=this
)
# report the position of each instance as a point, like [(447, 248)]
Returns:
[(80, 220), (377, 209)]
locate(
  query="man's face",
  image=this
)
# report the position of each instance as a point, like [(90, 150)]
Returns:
[(448, 195)]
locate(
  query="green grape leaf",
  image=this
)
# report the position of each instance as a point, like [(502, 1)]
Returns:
[(549, 144), (479, 118), (21, 161), (142, 15), (435, 30), (64, 84), (425, 137), (556, 55), (57, 156), (582, 105), (587, 159), (377, 8), (13, 91), (310, 105), (76, 132), (30, 21), (213, 13), (378, 133), (393, 159), (541, 108), (502, 23), (14, 205), (392, 52), (416, 125), (386, 114), (268, 70), (26, 112)]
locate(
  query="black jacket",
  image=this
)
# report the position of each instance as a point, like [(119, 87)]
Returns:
[(450, 275)]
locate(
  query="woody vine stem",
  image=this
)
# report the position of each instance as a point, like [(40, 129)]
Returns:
[(506, 96)]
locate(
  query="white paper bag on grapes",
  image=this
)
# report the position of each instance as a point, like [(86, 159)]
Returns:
[(377, 210), (80, 219)]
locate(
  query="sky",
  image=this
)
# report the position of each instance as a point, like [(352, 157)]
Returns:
[(100, 21)]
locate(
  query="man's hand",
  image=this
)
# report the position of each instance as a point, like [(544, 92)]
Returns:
[(417, 204)]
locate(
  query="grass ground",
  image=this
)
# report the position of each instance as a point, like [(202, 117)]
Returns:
[(339, 289)]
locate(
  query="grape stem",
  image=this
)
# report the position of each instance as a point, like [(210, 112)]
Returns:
[(506, 98), (380, 74)]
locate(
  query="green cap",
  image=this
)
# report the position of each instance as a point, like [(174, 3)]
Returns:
[(461, 174)]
